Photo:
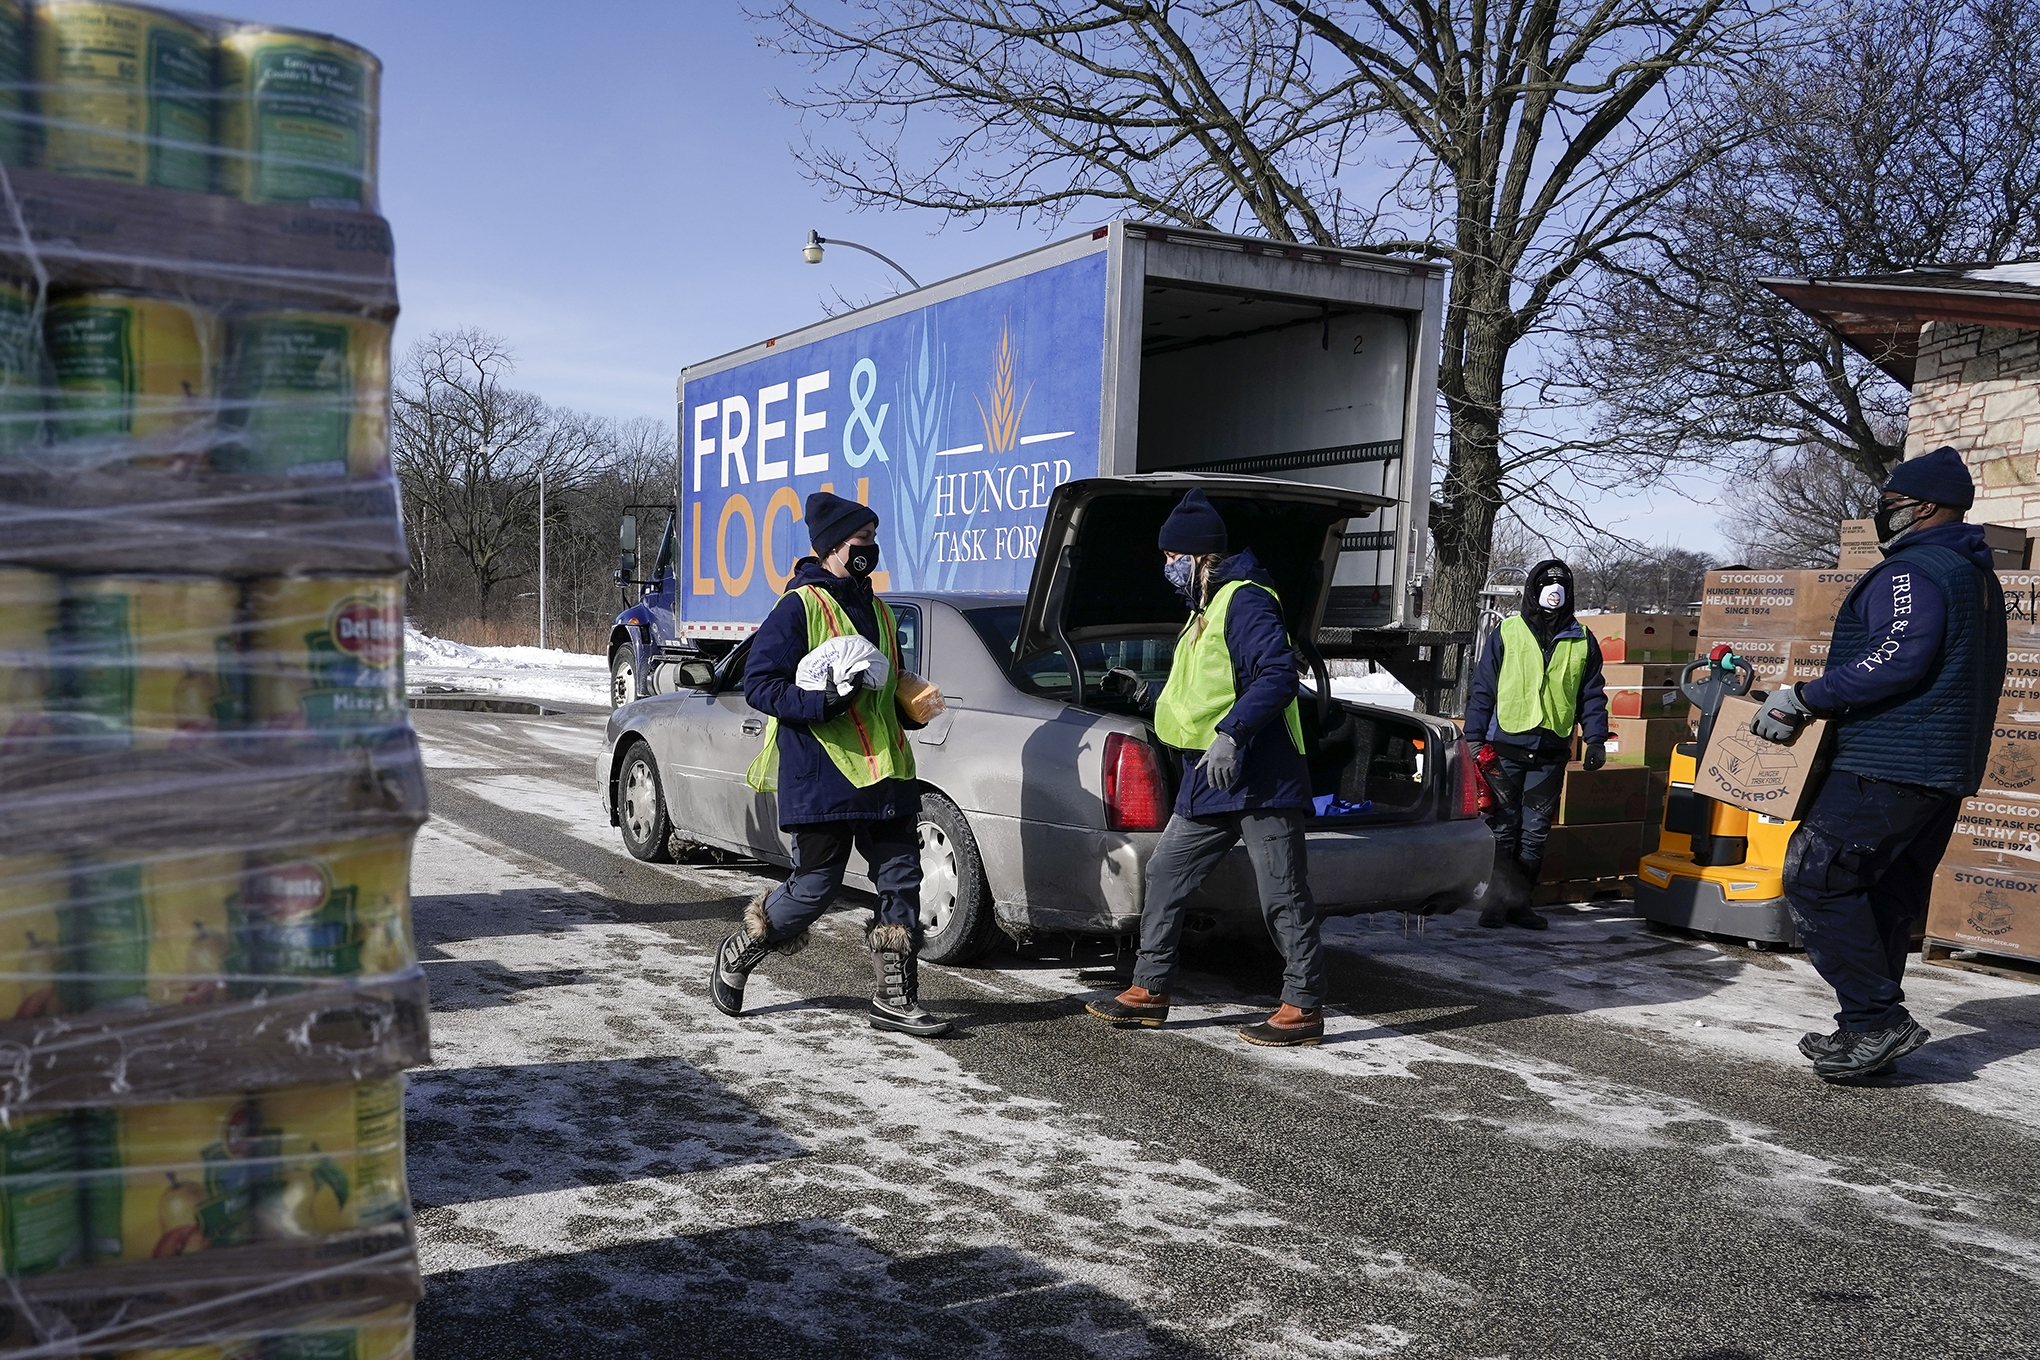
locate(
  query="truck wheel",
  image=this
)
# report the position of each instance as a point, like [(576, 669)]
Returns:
[(641, 807), (956, 903), (622, 676)]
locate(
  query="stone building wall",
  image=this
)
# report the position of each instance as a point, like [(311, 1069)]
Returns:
[(1978, 388)]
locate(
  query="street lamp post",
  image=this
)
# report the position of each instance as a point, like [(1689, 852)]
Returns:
[(541, 555), (812, 253)]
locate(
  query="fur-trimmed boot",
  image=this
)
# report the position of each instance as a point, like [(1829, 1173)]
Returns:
[(896, 991), (742, 952)]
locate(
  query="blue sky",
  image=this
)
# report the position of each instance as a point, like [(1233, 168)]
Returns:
[(611, 187)]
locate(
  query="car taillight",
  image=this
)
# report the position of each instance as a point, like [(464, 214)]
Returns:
[(1471, 785), (1136, 798)]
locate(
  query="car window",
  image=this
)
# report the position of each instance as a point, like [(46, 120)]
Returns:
[(1048, 675), (909, 618)]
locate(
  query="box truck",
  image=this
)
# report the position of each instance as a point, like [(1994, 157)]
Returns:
[(955, 410)]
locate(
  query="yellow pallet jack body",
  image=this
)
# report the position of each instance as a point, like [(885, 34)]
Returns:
[(1717, 869)]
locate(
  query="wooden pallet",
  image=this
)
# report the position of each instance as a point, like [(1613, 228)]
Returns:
[(1946, 955), (1585, 890)]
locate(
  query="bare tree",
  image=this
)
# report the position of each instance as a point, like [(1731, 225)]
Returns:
[(1902, 135), (1611, 575), (469, 452), (1518, 143), (1791, 515)]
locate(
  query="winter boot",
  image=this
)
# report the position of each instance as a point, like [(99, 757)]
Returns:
[(742, 952), (1522, 913), (1289, 1027), (896, 994), (1134, 1006)]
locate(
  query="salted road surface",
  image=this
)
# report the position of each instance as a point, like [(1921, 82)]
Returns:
[(1597, 1141)]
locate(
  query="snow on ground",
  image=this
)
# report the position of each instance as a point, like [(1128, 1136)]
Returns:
[(513, 672)]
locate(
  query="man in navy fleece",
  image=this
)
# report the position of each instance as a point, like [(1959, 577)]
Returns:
[(1912, 681)]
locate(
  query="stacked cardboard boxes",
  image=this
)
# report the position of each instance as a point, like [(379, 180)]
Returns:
[(1986, 895)]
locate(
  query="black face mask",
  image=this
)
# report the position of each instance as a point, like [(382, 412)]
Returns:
[(862, 560), (1893, 520)]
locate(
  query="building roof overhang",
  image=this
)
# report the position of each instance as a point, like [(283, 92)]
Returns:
[(1880, 316)]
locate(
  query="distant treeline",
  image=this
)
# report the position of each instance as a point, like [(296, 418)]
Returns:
[(470, 451)]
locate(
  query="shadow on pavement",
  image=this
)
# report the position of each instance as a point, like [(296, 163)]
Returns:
[(480, 1133), (796, 1290)]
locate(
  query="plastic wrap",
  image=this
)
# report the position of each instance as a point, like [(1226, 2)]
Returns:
[(208, 785)]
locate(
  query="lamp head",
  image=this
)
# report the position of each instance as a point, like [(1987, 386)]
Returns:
[(812, 251)]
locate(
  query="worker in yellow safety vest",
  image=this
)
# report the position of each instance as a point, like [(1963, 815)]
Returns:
[(1230, 707), (1539, 675), (825, 667)]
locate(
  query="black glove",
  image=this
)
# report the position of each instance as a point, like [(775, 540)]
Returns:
[(1782, 715), (1596, 755), (1121, 683), (835, 705), (1221, 764)]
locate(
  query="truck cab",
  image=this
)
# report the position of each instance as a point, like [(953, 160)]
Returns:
[(645, 634)]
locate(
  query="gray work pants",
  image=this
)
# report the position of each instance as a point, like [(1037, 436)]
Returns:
[(1189, 850)]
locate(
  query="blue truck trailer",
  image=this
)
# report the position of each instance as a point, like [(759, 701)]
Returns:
[(957, 408)]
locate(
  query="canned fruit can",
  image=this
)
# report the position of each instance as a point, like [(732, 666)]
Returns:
[(133, 369), (340, 1159), (298, 118), (34, 893), (305, 394), (30, 608), (323, 911), (40, 1227), (151, 662), (171, 1180), (126, 93), (381, 1336), (152, 932), (326, 653)]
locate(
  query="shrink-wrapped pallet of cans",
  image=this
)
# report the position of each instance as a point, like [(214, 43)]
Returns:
[(209, 990)]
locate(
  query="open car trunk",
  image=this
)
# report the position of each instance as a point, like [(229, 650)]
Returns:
[(1098, 600)]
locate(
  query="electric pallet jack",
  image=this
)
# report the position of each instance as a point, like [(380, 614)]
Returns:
[(1717, 869)]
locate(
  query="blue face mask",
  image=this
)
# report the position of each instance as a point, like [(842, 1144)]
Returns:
[(1182, 574)]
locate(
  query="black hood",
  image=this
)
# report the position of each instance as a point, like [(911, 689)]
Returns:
[(1548, 623)]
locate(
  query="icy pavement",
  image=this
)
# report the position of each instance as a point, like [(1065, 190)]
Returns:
[(1595, 1141), (542, 673)]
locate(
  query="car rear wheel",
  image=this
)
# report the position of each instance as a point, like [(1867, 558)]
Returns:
[(956, 901), (641, 807), (622, 676)]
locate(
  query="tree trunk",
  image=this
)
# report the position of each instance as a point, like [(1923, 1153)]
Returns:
[(1463, 527)]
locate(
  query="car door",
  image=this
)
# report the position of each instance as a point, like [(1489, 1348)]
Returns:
[(705, 740)]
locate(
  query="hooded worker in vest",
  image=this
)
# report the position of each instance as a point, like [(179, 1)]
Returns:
[(1539, 676), (1913, 676), (824, 666), (1230, 707)]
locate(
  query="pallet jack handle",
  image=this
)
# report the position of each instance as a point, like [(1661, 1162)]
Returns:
[(1707, 680)]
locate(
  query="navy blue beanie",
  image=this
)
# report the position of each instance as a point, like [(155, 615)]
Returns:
[(831, 519), (1193, 527), (1941, 477)]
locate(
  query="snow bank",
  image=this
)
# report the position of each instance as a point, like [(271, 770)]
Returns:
[(2027, 272), (513, 672)]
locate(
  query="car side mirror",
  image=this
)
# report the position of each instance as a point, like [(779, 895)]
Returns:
[(697, 674), (626, 566), (626, 535)]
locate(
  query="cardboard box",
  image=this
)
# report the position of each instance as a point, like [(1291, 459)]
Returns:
[(1608, 850), (1657, 674), (2022, 677), (1820, 598), (1645, 741), (1807, 660), (2014, 762), (1739, 604), (1642, 637), (1994, 909), (2022, 605), (1997, 829), (1745, 771), (1859, 545), (2007, 545), (1638, 701), (1654, 807), (1613, 793)]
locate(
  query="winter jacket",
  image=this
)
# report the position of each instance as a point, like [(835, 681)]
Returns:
[(1917, 663), (1272, 771), (1480, 703), (812, 791)]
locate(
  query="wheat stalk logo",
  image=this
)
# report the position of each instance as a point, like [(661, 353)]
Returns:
[(1002, 421)]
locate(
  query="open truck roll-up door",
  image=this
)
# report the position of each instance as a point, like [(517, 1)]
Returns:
[(1098, 576)]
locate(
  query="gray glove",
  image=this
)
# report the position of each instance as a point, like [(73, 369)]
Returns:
[(1782, 715), (1121, 683), (1221, 764)]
